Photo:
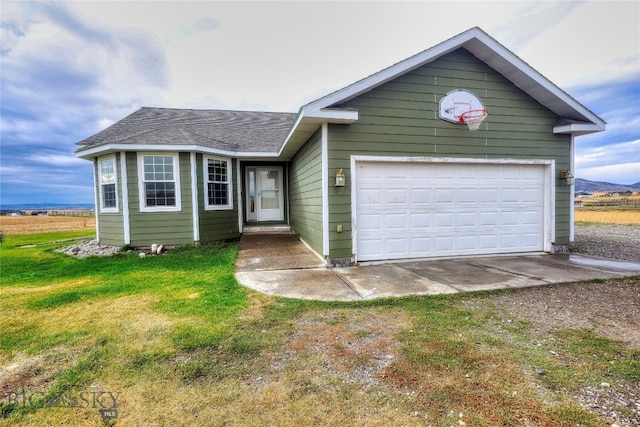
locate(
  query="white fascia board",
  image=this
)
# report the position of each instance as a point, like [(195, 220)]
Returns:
[(291, 131), (332, 115), (579, 128), (108, 148)]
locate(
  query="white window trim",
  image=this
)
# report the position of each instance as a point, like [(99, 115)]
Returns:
[(104, 209), (176, 179), (205, 182)]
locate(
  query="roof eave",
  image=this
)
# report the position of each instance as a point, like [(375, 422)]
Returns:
[(577, 129), (307, 123), (91, 153)]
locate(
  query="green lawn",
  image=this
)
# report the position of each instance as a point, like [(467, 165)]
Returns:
[(174, 340)]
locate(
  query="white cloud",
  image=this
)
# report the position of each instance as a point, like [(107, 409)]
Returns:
[(616, 162), (623, 173), (533, 19), (599, 40), (57, 160)]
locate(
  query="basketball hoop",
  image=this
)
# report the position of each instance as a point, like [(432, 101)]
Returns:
[(473, 118)]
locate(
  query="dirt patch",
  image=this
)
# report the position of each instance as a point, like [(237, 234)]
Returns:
[(352, 345), (22, 372), (35, 373)]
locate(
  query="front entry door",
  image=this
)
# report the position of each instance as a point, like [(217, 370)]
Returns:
[(265, 201)]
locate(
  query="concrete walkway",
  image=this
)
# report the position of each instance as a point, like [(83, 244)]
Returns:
[(278, 264)]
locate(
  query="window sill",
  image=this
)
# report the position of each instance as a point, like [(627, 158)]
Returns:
[(218, 208), (162, 209)]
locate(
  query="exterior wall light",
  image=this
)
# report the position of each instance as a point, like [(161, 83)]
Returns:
[(566, 178), (340, 180)]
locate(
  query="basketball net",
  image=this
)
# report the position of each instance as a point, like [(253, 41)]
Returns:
[(473, 118)]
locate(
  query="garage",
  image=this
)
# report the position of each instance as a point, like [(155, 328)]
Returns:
[(450, 207)]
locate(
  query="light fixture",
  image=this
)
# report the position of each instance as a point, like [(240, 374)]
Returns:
[(340, 180), (566, 178)]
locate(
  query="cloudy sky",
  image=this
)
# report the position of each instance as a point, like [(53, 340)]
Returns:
[(70, 69)]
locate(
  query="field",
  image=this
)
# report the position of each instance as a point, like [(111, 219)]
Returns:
[(602, 216), (608, 209), (611, 202), (39, 224), (174, 340)]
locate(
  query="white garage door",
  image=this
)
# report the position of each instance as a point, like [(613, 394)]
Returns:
[(420, 210)]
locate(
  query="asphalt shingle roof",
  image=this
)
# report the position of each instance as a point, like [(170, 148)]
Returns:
[(237, 131)]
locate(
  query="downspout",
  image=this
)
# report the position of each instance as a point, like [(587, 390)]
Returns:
[(286, 191), (126, 221), (194, 198), (325, 189), (572, 190), (239, 196), (95, 197)]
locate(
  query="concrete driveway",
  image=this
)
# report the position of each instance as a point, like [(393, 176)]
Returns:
[(278, 264)]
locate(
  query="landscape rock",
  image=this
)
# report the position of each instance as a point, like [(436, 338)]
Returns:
[(613, 241), (89, 248)]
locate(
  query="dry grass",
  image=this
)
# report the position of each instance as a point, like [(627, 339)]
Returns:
[(42, 224), (416, 361), (328, 371), (628, 217)]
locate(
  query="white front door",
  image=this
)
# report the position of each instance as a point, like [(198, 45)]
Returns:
[(265, 201)]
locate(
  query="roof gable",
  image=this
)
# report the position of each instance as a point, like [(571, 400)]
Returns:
[(488, 50), (577, 119)]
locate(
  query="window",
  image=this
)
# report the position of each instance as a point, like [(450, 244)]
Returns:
[(159, 183), (217, 180), (107, 179)]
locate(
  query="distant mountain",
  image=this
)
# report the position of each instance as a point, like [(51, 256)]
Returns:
[(599, 186), (47, 206)]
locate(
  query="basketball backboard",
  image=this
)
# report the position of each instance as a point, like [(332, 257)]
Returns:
[(457, 102)]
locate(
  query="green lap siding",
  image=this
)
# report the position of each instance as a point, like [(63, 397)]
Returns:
[(400, 118), (166, 228), (110, 225), (217, 225), (305, 192), (111, 229)]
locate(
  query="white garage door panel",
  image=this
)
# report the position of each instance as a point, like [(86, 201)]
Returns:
[(419, 210)]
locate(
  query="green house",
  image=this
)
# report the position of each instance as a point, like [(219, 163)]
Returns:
[(389, 167)]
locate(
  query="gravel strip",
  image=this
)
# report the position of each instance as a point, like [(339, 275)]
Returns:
[(620, 242), (89, 248)]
